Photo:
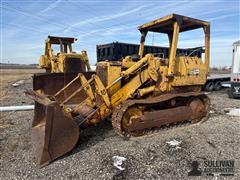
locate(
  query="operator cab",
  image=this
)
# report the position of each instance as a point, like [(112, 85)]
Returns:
[(172, 25), (64, 43)]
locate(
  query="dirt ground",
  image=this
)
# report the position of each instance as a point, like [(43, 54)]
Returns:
[(147, 157), (11, 76)]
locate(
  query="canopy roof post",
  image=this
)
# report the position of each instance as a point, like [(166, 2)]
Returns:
[(173, 48), (207, 45), (142, 41)]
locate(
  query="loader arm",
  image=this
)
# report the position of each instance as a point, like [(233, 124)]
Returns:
[(139, 76)]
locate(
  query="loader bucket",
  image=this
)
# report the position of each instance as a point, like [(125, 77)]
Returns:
[(53, 133)]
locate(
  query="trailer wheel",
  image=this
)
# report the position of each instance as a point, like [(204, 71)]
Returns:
[(209, 86), (217, 86)]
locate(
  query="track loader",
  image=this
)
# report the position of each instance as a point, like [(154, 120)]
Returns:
[(135, 96), (66, 60)]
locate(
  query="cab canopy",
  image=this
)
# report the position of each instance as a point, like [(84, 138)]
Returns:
[(165, 24), (60, 40)]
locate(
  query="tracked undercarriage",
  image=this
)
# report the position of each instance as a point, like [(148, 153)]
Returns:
[(133, 117)]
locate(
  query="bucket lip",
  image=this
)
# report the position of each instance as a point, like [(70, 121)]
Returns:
[(53, 134)]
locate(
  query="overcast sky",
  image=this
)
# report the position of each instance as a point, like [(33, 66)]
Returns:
[(26, 24)]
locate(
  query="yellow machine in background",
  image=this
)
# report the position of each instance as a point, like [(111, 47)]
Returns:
[(66, 60), (141, 95)]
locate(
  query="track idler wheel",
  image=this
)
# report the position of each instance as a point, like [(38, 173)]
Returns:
[(200, 108), (129, 118)]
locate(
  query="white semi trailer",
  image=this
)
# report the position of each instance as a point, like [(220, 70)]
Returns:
[(234, 91)]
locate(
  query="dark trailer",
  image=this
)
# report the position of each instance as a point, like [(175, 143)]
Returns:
[(118, 50)]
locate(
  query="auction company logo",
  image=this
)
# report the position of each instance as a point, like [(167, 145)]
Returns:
[(211, 168)]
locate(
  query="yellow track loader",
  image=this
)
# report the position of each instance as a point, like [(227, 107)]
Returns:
[(66, 60), (61, 63), (137, 96)]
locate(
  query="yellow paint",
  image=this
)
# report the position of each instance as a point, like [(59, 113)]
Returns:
[(55, 63)]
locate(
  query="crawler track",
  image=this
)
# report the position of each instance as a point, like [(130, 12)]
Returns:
[(159, 111)]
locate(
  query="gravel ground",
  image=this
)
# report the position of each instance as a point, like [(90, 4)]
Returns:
[(147, 157)]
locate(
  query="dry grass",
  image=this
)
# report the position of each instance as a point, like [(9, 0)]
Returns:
[(10, 76)]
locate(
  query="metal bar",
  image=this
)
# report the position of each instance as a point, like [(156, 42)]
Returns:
[(135, 67), (61, 45), (197, 49), (70, 47), (207, 46), (88, 116), (114, 82), (65, 87), (77, 91), (142, 41), (72, 95), (173, 48)]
